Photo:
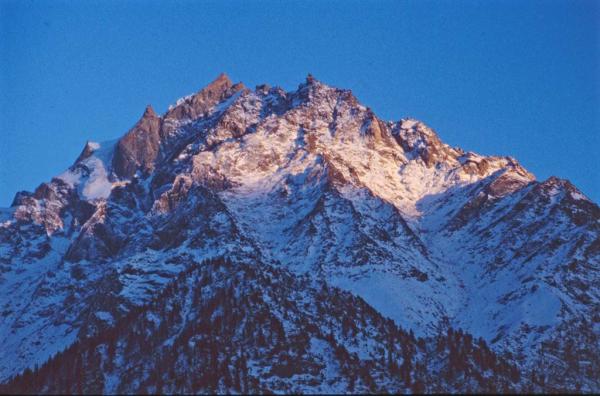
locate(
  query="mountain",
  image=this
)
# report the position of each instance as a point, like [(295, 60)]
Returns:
[(291, 340), (297, 214)]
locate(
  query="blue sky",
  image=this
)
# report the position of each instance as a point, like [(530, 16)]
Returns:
[(518, 78)]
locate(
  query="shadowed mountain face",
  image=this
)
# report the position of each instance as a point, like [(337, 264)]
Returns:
[(311, 187)]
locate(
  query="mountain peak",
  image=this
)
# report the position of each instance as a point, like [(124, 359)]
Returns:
[(149, 112), (139, 148), (196, 105), (87, 151), (312, 82), (219, 84)]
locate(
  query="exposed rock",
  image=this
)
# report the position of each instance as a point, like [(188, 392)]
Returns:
[(87, 151), (198, 104), (417, 139), (138, 150)]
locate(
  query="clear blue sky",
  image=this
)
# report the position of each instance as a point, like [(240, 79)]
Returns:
[(519, 78)]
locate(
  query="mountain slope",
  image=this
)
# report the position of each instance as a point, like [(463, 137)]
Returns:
[(204, 340)]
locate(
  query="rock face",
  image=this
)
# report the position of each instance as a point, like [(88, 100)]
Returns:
[(292, 190), (138, 150), (142, 146), (197, 105)]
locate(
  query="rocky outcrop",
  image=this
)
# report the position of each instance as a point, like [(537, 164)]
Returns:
[(87, 151), (421, 141), (198, 104), (144, 144), (138, 150)]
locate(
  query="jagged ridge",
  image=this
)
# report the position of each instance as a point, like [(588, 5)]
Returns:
[(313, 182)]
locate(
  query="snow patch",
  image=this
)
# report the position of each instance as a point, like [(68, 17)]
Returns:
[(578, 196), (97, 185)]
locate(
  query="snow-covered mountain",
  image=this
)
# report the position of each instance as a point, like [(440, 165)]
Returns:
[(327, 217)]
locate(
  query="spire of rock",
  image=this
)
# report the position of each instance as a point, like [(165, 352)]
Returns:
[(222, 82), (198, 104), (149, 112), (139, 148), (310, 88), (311, 82), (372, 126), (87, 151)]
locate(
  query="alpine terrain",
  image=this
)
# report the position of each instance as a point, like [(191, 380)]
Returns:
[(293, 242)]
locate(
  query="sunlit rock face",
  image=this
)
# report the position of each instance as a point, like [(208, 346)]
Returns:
[(312, 191)]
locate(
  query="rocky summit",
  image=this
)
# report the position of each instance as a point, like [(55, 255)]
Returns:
[(258, 240)]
